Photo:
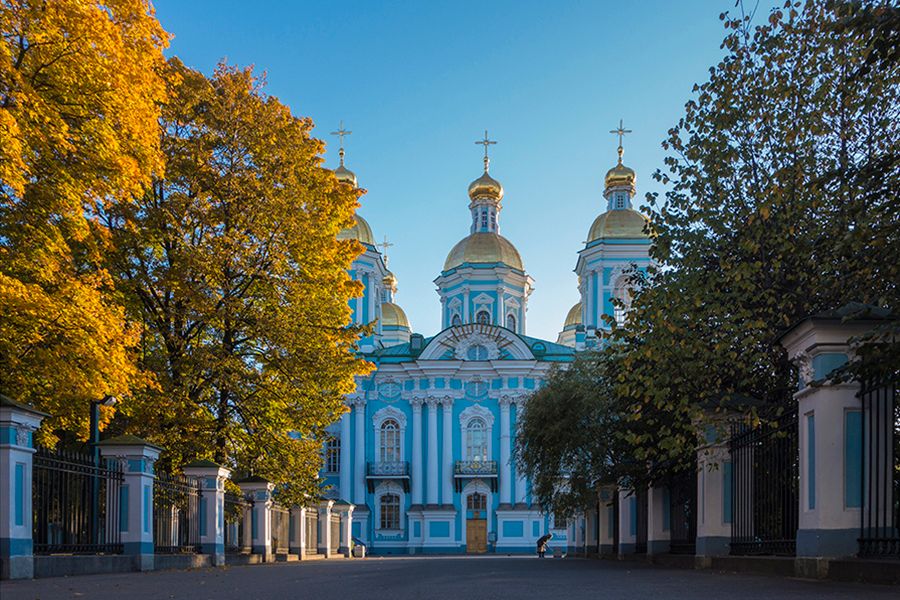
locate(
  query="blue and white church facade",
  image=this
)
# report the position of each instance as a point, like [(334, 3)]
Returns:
[(424, 451)]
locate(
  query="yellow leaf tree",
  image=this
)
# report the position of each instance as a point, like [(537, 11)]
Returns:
[(80, 89), (232, 262)]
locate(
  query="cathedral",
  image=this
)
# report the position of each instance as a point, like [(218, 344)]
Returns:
[(424, 453)]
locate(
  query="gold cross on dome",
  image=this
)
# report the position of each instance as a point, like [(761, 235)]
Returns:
[(486, 142), (621, 131), (384, 246), (341, 132)]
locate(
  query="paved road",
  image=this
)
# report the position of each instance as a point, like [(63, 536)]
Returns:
[(433, 578)]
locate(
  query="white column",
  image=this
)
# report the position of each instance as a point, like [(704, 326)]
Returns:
[(658, 535), (520, 476), (359, 467), (504, 471), (212, 500), (345, 463), (325, 527), (417, 451), (447, 470), (501, 307), (465, 315), (627, 521), (371, 287), (432, 495)]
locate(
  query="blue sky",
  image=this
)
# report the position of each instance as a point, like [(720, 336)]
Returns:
[(419, 82)]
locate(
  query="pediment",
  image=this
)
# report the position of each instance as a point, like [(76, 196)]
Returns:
[(457, 341)]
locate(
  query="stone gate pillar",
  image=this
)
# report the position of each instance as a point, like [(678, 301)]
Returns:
[(212, 507)]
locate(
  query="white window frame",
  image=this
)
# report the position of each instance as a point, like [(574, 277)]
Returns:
[(378, 419)]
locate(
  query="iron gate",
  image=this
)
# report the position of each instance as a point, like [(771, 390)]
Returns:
[(281, 523), (765, 487), (880, 469), (312, 531), (335, 525), (683, 512)]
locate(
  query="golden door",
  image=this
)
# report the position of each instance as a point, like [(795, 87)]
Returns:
[(476, 536)]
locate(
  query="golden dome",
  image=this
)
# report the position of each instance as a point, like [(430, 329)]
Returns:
[(574, 316), (620, 175), (393, 316), (486, 186), (484, 247), (625, 223), (345, 175), (360, 232), (390, 281)]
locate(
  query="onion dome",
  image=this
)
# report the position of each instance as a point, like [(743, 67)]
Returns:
[(360, 232), (390, 282), (345, 175), (621, 176), (624, 223), (486, 187), (574, 316), (484, 248), (393, 316)]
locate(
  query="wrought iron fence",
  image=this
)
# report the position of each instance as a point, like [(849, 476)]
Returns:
[(475, 467), (683, 512), (236, 508), (176, 514), (641, 508), (76, 504), (765, 487), (386, 469), (281, 527), (311, 523), (880, 469)]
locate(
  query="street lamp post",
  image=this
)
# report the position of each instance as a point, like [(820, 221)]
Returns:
[(93, 441)]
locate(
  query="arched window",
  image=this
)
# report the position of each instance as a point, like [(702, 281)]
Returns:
[(476, 501), (390, 511), (484, 219), (483, 317), (390, 441), (477, 352), (622, 293), (455, 321), (621, 202), (476, 440), (510, 322), (333, 454)]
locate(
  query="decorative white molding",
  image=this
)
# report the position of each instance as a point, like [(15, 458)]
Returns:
[(476, 410), (462, 349), (22, 432), (475, 333), (389, 412)]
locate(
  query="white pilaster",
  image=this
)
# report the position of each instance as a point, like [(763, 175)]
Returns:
[(501, 307), (345, 462), (465, 315), (658, 532), (212, 532), (432, 495), (359, 466), (447, 470), (520, 476), (504, 467), (416, 482)]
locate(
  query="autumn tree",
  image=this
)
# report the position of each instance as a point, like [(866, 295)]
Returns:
[(79, 109), (231, 262)]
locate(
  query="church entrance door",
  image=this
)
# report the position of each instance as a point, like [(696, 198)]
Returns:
[(476, 536)]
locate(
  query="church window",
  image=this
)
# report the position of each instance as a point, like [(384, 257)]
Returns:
[(483, 317), (493, 220), (390, 441), (476, 440), (477, 352), (333, 454), (455, 321), (484, 219), (623, 294), (476, 501), (390, 511), (620, 201), (510, 322)]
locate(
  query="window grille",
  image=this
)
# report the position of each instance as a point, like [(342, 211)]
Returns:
[(510, 322), (476, 501), (390, 511), (483, 317), (333, 455)]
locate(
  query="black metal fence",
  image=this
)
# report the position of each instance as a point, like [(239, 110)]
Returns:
[(880, 469), (281, 526), (176, 514), (683, 512), (641, 507), (76, 504), (765, 487), (236, 508)]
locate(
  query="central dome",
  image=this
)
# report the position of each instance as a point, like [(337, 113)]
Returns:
[(626, 223), (484, 248)]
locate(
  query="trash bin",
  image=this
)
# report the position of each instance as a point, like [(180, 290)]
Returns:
[(359, 551)]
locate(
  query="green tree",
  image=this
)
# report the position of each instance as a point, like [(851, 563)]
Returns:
[(232, 263)]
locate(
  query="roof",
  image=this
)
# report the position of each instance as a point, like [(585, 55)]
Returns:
[(483, 248), (618, 224), (360, 231)]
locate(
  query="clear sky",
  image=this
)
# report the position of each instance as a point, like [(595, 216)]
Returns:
[(419, 82)]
